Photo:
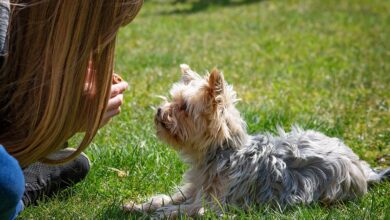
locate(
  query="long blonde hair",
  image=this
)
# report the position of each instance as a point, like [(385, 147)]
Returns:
[(44, 96)]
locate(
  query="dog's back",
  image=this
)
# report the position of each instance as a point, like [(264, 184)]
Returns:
[(296, 167)]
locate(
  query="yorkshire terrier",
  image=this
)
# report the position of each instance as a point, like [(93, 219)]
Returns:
[(229, 167)]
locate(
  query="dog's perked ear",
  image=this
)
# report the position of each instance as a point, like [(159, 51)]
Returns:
[(187, 74), (217, 86)]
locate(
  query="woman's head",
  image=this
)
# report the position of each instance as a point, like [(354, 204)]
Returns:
[(44, 94)]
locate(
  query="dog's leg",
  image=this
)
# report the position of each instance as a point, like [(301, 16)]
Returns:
[(183, 195), (192, 207), (174, 211), (154, 203)]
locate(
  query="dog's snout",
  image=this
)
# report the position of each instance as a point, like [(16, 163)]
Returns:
[(159, 111)]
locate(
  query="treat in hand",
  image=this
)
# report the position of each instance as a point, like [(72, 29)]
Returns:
[(116, 79)]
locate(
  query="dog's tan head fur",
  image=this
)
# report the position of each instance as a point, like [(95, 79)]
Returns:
[(201, 116)]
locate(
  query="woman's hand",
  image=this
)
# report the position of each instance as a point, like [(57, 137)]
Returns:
[(115, 102), (116, 95)]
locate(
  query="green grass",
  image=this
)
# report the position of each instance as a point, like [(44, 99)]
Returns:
[(322, 64)]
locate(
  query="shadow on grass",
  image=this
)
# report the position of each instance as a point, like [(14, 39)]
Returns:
[(201, 5)]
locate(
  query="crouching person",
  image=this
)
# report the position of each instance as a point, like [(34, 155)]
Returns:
[(56, 69)]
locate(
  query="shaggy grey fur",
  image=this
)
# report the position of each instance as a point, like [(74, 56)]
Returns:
[(296, 167)]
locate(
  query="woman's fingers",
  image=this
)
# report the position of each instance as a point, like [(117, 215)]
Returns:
[(118, 88), (114, 102)]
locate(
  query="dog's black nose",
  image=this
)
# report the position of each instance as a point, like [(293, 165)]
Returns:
[(158, 111)]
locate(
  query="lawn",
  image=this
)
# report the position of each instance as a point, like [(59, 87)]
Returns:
[(322, 64)]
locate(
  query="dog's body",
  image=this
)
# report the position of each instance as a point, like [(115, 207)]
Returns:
[(230, 167)]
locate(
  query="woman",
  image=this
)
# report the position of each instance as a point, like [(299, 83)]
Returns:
[(55, 81)]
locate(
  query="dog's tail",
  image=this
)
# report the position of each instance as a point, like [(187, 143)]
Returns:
[(379, 176), (385, 174)]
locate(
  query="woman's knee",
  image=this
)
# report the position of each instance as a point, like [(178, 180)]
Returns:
[(11, 182)]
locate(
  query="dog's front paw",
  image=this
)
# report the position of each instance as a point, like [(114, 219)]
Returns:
[(166, 212), (175, 211), (147, 207), (132, 207)]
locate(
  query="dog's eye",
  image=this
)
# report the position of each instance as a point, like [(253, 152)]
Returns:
[(183, 107)]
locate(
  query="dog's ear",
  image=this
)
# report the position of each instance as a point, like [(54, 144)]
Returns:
[(217, 86), (187, 74)]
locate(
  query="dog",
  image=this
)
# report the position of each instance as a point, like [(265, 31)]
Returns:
[(229, 167)]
